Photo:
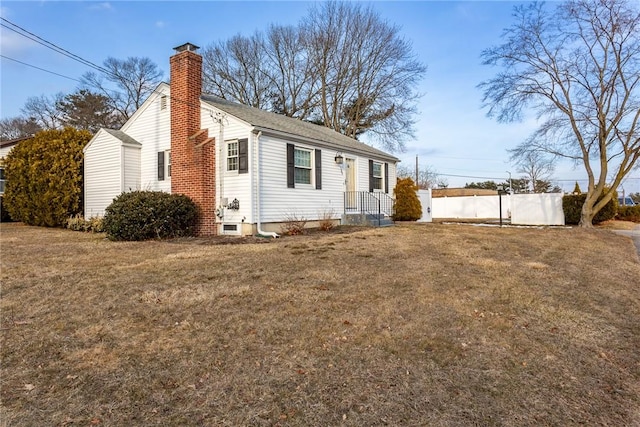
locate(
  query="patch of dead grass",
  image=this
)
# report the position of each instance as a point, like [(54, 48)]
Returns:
[(436, 325)]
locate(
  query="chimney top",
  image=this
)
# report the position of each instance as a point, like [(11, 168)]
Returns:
[(186, 47)]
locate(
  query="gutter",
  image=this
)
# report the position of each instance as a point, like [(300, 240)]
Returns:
[(261, 233)]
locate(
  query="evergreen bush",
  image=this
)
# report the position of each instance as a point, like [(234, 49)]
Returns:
[(44, 177), (407, 204), (144, 215), (629, 213), (572, 207)]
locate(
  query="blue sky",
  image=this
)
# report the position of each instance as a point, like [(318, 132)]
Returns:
[(453, 136)]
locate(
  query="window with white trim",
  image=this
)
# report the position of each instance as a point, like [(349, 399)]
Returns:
[(302, 166), (164, 165), (377, 176), (232, 155)]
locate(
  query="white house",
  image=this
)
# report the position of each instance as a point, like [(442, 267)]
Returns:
[(249, 170)]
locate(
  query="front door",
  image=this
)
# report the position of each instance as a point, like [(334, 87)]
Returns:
[(350, 184)]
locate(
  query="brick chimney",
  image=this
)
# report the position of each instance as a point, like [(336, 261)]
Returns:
[(192, 151)]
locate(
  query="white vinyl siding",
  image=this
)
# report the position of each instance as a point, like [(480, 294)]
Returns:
[(131, 168), (231, 184), (278, 202), (151, 127), (103, 173)]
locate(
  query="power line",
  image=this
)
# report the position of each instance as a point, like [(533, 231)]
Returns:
[(34, 37), (41, 69)]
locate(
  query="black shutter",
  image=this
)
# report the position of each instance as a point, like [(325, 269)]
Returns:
[(318, 161), (243, 155), (386, 177), (160, 165), (290, 166), (371, 180)]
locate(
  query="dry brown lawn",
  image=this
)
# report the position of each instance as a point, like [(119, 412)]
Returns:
[(414, 325)]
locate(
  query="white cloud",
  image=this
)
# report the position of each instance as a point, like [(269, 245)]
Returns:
[(12, 43), (101, 6), (160, 24)]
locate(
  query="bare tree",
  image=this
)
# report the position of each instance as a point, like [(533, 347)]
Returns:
[(126, 83), (237, 70), (293, 86), (43, 110), (367, 73), (578, 67), (537, 167), (17, 127), (343, 67), (427, 177)]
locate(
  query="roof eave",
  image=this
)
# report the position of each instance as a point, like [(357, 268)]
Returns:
[(322, 143)]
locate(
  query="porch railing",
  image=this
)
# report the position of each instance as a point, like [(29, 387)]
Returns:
[(379, 205)]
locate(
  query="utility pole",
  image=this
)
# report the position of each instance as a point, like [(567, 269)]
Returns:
[(510, 187), (416, 170)]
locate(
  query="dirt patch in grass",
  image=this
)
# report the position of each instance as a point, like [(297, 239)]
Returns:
[(437, 325), (617, 225)]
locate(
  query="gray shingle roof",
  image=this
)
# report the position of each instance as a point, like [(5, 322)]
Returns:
[(122, 136), (265, 120)]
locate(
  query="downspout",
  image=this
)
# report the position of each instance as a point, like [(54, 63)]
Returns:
[(261, 233)]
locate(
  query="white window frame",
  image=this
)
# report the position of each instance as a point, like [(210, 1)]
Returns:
[(310, 168), (378, 178), (236, 156), (167, 164)]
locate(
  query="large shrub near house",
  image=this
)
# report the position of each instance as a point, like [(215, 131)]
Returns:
[(629, 213), (407, 204), (44, 177), (144, 215), (572, 207)]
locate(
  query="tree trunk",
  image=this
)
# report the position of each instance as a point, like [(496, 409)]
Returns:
[(587, 214)]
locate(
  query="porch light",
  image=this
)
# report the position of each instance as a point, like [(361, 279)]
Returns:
[(339, 159)]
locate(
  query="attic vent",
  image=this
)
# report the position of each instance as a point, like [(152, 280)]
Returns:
[(163, 102)]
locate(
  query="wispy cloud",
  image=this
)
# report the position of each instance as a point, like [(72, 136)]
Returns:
[(101, 6), (160, 24)]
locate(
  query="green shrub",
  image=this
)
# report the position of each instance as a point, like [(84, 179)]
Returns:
[(629, 213), (144, 215), (572, 207), (407, 205), (44, 177)]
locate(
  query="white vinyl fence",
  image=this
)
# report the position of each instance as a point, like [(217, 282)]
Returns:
[(523, 209)]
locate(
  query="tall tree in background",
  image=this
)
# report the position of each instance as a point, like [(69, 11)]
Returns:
[(343, 67), (235, 69), (427, 177), (86, 110), (536, 167), (17, 127), (44, 111), (126, 83), (367, 72), (578, 67)]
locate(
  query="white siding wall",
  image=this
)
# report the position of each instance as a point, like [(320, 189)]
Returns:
[(102, 173), (152, 128), (231, 184), (131, 168), (279, 202)]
